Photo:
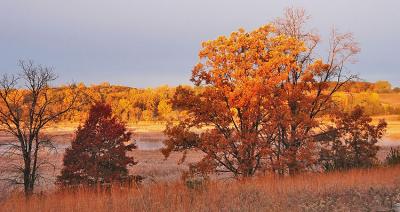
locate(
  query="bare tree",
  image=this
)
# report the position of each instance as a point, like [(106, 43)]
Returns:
[(27, 105)]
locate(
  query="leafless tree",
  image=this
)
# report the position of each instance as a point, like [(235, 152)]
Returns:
[(28, 104)]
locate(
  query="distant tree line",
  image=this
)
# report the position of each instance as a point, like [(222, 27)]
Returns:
[(154, 104), (370, 101), (369, 96), (381, 86), (129, 104), (132, 105)]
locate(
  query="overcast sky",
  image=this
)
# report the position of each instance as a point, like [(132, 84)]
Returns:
[(148, 43)]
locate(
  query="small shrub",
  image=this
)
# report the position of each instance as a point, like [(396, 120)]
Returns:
[(352, 143), (195, 183), (98, 154), (393, 158)]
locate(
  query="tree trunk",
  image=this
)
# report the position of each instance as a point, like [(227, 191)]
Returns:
[(28, 183)]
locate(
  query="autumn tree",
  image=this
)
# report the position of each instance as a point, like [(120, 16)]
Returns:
[(307, 92), (263, 93), (28, 104), (352, 141), (382, 86), (99, 151), (239, 74), (164, 109)]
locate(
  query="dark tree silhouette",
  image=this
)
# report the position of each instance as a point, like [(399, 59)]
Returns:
[(98, 154), (351, 143), (28, 104)]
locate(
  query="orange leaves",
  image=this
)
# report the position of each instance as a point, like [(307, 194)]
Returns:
[(182, 139), (318, 68), (264, 94), (240, 74), (246, 65)]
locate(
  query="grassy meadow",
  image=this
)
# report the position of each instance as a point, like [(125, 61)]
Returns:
[(356, 190), (390, 98)]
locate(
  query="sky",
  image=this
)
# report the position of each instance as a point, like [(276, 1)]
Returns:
[(147, 43)]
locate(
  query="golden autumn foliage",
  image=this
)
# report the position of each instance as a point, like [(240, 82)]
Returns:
[(372, 102), (133, 105), (129, 104), (264, 94), (239, 75)]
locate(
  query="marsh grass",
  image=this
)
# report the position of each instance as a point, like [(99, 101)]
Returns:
[(355, 190)]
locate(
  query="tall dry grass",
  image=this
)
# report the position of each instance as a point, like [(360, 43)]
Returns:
[(356, 190)]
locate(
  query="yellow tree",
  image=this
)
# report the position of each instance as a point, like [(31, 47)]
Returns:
[(164, 109)]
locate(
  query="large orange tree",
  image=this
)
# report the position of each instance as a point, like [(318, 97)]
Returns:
[(263, 93)]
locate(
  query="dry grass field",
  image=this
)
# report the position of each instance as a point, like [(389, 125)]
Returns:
[(393, 127), (390, 98), (356, 190)]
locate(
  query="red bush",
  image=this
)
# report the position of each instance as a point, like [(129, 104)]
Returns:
[(98, 153)]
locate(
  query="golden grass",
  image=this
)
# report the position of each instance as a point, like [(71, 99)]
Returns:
[(393, 127), (356, 190), (152, 129), (390, 98), (141, 126), (393, 130), (155, 167)]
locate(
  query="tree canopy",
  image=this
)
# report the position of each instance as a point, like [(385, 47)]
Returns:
[(264, 94)]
